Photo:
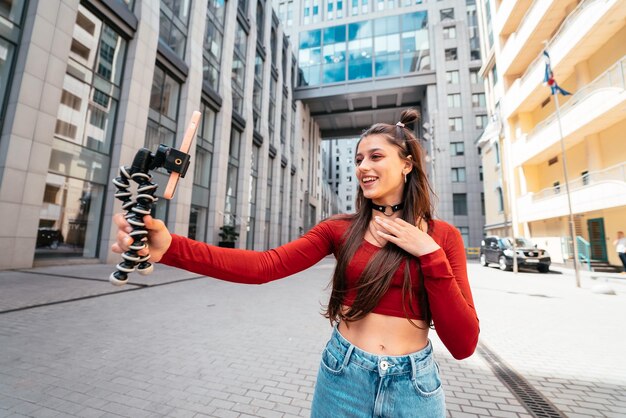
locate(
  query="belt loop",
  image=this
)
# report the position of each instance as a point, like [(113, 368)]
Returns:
[(346, 359), (413, 368)]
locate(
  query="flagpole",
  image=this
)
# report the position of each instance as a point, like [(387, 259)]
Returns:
[(572, 230)]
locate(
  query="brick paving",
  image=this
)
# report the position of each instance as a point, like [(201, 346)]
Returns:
[(196, 347)]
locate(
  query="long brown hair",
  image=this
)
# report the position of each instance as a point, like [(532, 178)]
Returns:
[(377, 276)]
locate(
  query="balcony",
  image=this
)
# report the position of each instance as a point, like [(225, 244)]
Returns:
[(592, 109), (509, 14), (523, 45), (577, 38), (594, 191)]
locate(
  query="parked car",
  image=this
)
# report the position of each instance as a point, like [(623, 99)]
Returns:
[(494, 249)]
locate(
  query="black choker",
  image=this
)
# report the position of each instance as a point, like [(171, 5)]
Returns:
[(383, 209)]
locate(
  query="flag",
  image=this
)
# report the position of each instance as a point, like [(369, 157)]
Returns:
[(548, 77)]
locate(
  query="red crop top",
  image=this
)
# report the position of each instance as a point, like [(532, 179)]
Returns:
[(445, 274)]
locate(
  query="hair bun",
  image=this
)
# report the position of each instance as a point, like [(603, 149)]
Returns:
[(409, 116)]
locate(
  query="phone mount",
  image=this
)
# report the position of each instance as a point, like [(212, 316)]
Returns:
[(172, 160)]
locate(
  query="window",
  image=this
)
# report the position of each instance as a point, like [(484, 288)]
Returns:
[(212, 44), (232, 175), (472, 25), (482, 204), (478, 100), (268, 201), (457, 148), (197, 223), (252, 197), (557, 187), (474, 78), (454, 100), (163, 112), (481, 121), (242, 6), (446, 14), (452, 77), (500, 199), (496, 148), (239, 68), (480, 173), (257, 92), (458, 174), (459, 204), (451, 54), (290, 13), (455, 124), (449, 32), (494, 75), (260, 19), (271, 116), (173, 21), (464, 230), (204, 148)]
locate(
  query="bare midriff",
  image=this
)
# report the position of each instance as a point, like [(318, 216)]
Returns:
[(385, 335)]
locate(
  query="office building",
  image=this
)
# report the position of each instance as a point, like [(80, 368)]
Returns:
[(363, 62), (85, 84)]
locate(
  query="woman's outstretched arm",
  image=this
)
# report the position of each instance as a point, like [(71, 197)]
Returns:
[(236, 265)]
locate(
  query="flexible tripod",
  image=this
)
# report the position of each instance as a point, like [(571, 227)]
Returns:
[(175, 162)]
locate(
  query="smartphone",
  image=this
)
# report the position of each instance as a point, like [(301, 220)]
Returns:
[(190, 134)]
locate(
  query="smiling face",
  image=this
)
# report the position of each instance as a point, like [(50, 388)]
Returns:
[(380, 170)]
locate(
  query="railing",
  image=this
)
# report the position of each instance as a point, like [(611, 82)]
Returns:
[(568, 22), (611, 78), (616, 172), (584, 251)]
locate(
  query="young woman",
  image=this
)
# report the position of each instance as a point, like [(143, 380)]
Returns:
[(398, 272)]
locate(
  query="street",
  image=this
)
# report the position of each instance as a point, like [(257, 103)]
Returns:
[(178, 345)]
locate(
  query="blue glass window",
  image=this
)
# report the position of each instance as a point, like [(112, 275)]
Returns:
[(334, 50), (310, 57), (415, 45), (360, 50)]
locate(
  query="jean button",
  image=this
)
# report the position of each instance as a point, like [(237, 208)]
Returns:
[(384, 365)]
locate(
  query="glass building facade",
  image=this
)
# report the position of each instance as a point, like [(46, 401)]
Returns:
[(387, 46), (79, 164), (11, 14)]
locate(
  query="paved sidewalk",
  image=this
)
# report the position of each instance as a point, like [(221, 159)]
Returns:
[(567, 341), (174, 344)]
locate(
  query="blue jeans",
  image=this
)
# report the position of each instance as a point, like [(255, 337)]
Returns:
[(354, 383)]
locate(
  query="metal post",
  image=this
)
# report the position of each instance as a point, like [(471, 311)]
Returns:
[(569, 200)]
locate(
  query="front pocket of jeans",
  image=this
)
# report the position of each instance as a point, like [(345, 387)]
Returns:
[(331, 363), (427, 382)]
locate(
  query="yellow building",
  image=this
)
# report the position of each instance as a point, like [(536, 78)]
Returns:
[(522, 146)]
